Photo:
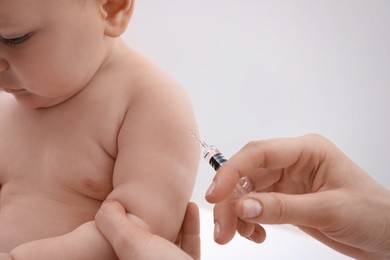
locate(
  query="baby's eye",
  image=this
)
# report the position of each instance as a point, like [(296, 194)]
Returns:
[(15, 41)]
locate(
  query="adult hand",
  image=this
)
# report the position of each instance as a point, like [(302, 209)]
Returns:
[(5, 256), (308, 182), (130, 241)]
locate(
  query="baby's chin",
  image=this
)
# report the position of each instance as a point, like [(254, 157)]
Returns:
[(33, 101)]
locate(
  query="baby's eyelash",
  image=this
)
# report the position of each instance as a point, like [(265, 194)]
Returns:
[(15, 41)]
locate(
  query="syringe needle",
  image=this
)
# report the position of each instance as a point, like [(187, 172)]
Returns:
[(203, 143), (215, 158)]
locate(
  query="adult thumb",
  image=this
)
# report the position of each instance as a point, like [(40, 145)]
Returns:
[(311, 210)]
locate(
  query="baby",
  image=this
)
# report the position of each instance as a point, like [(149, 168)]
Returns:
[(83, 119)]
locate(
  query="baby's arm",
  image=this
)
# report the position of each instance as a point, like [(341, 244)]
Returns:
[(153, 176), (157, 157), (84, 243)]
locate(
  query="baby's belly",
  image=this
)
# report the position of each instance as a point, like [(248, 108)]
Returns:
[(32, 216)]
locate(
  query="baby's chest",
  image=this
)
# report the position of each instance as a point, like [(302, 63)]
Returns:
[(52, 157)]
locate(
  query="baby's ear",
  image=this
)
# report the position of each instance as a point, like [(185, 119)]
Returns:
[(118, 14)]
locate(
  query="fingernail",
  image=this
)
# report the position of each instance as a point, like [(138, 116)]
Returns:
[(217, 231), (251, 208), (210, 190)]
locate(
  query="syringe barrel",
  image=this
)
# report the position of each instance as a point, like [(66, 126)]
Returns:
[(214, 157)]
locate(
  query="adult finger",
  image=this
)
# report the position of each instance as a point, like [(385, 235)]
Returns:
[(311, 210), (5, 256), (273, 154), (119, 229), (225, 222), (190, 233), (251, 231), (258, 236), (245, 229), (110, 218)]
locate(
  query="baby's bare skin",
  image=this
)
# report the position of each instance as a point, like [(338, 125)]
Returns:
[(124, 135), (56, 164)]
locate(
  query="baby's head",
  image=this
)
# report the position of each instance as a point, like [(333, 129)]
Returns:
[(50, 49)]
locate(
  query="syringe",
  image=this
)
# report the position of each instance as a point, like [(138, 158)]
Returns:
[(216, 159)]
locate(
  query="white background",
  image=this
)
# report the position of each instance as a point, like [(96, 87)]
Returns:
[(257, 69)]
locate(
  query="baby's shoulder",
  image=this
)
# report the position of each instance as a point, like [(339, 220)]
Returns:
[(147, 81), (141, 88)]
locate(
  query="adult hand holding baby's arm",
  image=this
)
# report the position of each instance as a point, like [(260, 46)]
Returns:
[(309, 183), (131, 241), (5, 256)]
